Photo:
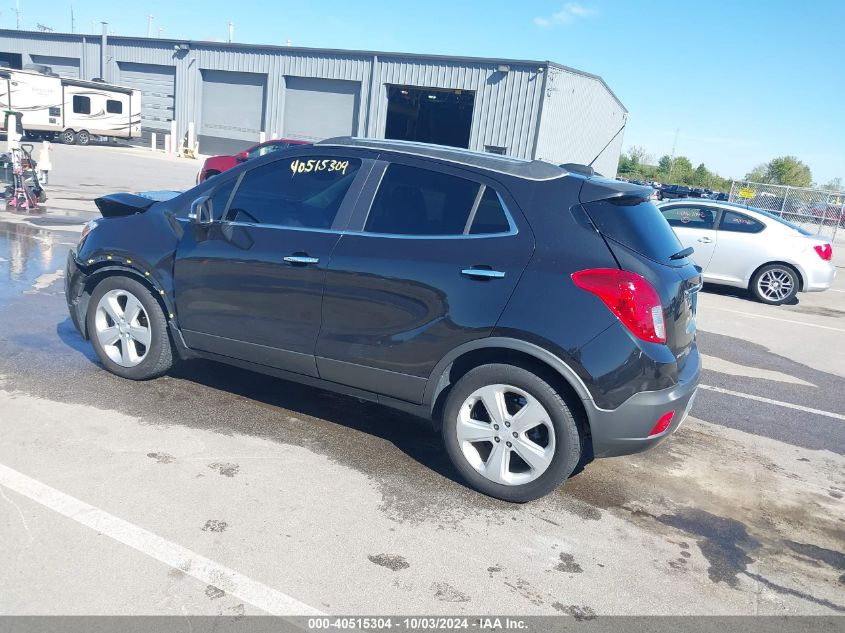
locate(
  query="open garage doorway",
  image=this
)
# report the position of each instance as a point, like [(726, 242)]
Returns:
[(429, 115)]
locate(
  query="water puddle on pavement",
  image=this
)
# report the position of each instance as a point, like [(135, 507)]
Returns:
[(30, 258)]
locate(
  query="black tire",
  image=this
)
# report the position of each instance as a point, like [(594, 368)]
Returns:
[(159, 355), (83, 137), (568, 440), (68, 137), (781, 270)]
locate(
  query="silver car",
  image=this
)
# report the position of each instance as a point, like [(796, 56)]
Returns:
[(749, 248)]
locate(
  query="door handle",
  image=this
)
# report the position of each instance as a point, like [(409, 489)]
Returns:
[(301, 259), (482, 273), (705, 240)]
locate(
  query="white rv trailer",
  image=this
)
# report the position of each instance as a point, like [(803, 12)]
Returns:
[(70, 109)]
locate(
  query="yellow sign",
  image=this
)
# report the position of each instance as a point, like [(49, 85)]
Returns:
[(746, 192)]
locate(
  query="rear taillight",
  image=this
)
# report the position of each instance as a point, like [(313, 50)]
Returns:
[(630, 297), (825, 251)]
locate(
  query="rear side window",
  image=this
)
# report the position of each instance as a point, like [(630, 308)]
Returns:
[(81, 105), (414, 201), (690, 217), (114, 107), (636, 224), (490, 216), (295, 192), (740, 223)]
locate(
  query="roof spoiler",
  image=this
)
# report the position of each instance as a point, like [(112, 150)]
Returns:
[(595, 189), (119, 204), (578, 168)]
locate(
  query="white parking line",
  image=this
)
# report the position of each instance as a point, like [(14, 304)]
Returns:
[(788, 405), (763, 316), (203, 569)]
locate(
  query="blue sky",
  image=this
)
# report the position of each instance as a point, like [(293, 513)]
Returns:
[(743, 81)]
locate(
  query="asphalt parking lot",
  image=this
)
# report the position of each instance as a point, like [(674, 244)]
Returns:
[(218, 491)]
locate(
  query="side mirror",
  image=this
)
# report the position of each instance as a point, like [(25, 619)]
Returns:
[(242, 157), (201, 212)]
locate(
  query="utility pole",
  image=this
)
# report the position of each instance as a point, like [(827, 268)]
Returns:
[(93, 26), (150, 25), (72, 21), (231, 31), (160, 29), (18, 14), (672, 161)]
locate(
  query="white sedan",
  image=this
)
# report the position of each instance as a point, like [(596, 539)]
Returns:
[(749, 248)]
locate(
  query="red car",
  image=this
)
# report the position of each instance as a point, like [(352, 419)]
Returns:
[(213, 165)]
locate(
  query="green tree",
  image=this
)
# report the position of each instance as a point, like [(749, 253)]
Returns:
[(834, 185), (702, 176), (784, 170)]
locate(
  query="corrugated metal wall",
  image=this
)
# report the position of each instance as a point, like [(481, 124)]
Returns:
[(506, 103), (579, 113), (579, 118)]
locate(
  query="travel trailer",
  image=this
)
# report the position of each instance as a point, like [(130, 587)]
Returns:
[(72, 110)]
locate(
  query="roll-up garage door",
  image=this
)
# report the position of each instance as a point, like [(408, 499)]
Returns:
[(232, 110), (158, 93), (320, 108), (62, 66)]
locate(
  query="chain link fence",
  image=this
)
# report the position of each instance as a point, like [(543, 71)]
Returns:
[(816, 210)]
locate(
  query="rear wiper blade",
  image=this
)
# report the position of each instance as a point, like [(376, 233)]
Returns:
[(684, 253)]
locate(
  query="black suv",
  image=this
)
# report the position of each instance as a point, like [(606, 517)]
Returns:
[(538, 314)]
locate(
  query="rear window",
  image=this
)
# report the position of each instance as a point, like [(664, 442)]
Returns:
[(740, 223), (636, 224)]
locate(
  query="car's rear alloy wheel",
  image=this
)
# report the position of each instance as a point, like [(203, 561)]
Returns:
[(775, 284), (128, 330), (506, 434), (509, 433)]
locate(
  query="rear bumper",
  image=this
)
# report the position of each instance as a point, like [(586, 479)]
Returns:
[(625, 430), (819, 277)]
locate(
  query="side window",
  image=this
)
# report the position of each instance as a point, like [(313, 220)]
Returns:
[(690, 217), (114, 107), (490, 216), (739, 223), (295, 192), (220, 197), (414, 201), (81, 105)]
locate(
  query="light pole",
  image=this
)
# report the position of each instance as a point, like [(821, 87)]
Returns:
[(150, 25)]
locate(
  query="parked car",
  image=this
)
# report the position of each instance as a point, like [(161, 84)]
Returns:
[(669, 192), (751, 248), (537, 315), (720, 196), (825, 213), (214, 165)]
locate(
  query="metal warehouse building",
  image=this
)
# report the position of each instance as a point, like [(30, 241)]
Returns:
[(233, 92)]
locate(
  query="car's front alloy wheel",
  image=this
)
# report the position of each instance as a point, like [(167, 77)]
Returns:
[(123, 327), (128, 329)]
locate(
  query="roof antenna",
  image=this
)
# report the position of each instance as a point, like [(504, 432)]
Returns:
[(590, 164)]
